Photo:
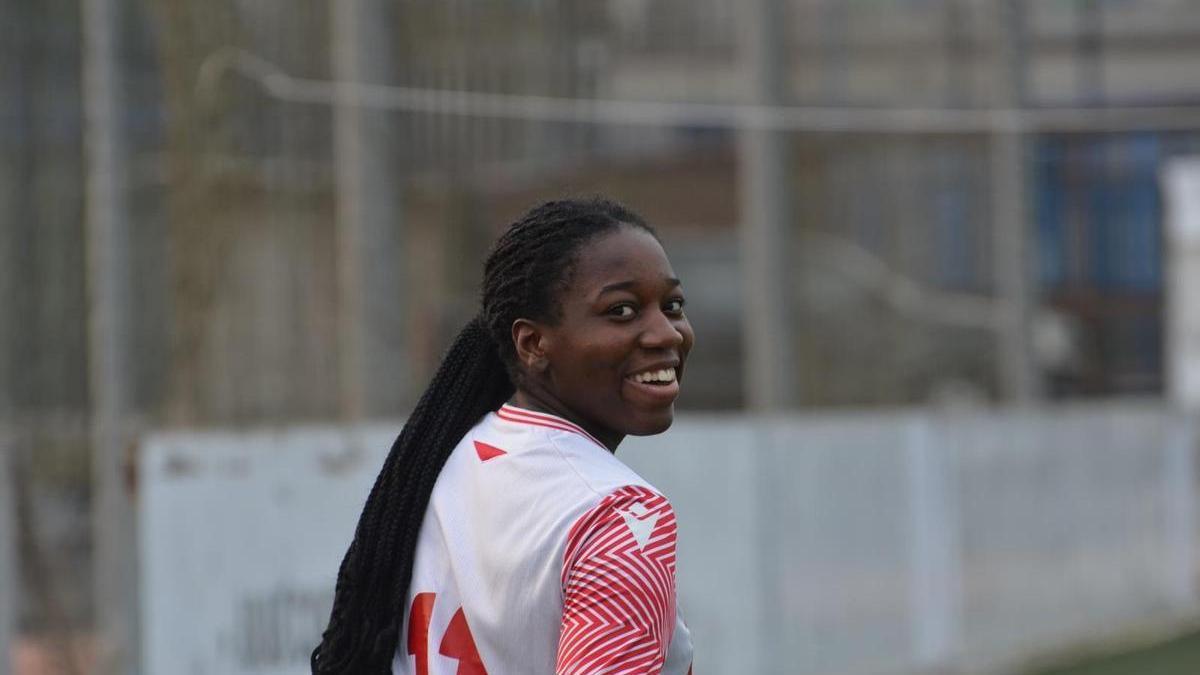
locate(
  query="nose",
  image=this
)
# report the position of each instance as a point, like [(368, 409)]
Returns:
[(660, 332)]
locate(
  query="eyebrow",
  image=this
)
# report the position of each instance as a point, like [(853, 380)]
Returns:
[(626, 285)]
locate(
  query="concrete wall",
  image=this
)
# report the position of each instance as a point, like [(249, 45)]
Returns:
[(834, 544)]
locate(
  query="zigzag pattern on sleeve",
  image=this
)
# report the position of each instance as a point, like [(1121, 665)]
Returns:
[(618, 585)]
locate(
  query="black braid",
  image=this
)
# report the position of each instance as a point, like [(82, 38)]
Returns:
[(523, 276)]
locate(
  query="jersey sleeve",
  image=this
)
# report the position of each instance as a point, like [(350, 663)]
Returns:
[(618, 582)]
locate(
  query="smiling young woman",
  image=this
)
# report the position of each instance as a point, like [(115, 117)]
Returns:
[(502, 534)]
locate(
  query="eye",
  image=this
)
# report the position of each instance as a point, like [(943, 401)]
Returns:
[(674, 306), (622, 311)]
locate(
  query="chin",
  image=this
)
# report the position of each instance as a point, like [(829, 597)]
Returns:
[(654, 423)]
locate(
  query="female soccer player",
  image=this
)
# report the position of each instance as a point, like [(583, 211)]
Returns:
[(502, 535)]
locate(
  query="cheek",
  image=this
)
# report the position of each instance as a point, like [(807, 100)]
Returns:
[(689, 337), (601, 357), (604, 358)]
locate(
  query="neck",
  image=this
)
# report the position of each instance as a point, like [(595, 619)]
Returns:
[(540, 401)]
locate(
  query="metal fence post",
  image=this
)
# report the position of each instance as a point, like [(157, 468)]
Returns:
[(106, 227), (370, 267), (1181, 191), (9, 589), (1014, 247), (766, 185)]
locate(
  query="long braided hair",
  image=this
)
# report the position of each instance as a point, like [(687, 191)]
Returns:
[(523, 276)]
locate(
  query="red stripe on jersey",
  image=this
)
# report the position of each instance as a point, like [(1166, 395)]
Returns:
[(522, 416), (618, 583)]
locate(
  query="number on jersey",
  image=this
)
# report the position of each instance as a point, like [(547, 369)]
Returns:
[(457, 643)]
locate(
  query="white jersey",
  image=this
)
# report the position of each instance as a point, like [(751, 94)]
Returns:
[(541, 552)]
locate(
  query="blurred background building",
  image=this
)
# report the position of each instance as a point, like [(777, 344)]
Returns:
[(872, 203)]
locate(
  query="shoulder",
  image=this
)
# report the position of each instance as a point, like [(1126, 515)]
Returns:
[(553, 453), (633, 521), (618, 585), (583, 490)]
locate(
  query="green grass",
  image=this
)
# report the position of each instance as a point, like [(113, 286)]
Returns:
[(1179, 656)]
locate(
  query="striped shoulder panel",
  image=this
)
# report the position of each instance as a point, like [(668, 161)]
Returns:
[(618, 582)]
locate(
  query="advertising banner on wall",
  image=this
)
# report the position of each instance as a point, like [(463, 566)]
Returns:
[(241, 536)]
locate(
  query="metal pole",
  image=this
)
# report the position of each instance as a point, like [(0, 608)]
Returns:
[(1090, 51), (765, 183), (12, 90), (10, 598), (1181, 313), (957, 50), (1013, 254), (107, 233), (372, 364), (835, 50)]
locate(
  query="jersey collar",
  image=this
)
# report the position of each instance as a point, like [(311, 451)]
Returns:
[(511, 413)]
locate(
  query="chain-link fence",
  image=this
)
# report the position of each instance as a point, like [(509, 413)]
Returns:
[(298, 196)]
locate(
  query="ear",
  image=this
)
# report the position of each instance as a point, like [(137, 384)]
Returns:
[(530, 340)]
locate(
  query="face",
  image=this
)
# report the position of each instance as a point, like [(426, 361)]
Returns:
[(613, 361)]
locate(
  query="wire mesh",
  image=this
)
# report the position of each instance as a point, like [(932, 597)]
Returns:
[(232, 190)]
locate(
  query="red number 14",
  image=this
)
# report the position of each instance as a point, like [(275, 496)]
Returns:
[(457, 643)]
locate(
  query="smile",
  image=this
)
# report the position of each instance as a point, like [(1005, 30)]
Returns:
[(656, 386), (656, 377)]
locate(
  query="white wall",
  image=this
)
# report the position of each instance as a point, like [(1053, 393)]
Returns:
[(834, 544)]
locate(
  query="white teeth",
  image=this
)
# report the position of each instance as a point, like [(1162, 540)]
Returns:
[(664, 375)]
